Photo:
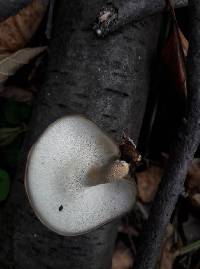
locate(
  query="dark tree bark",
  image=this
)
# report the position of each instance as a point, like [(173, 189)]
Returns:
[(182, 153), (10, 7), (123, 12), (106, 80)]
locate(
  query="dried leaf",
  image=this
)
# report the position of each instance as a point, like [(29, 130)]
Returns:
[(18, 94), (171, 249), (196, 199), (128, 150), (122, 258), (193, 177), (174, 54), (4, 55), (167, 258), (193, 182), (167, 254), (184, 42), (11, 63), (148, 182), (17, 31)]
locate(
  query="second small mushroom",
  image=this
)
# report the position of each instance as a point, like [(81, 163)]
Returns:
[(74, 179)]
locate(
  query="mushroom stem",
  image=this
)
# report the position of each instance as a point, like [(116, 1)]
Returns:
[(73, 188), (117, 170), (113, 171)]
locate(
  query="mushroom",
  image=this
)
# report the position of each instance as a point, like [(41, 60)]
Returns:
[(74, 179)]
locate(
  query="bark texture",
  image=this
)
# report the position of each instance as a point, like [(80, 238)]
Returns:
[(106, 80), (11, 7), (182, 153), (123, 12)]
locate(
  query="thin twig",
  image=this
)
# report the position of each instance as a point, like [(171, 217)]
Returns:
[(114, 15), (142, 209), (50, 19), (182, 153), (187, 249)]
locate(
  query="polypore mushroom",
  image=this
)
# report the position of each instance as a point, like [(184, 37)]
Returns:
[(74, 180)]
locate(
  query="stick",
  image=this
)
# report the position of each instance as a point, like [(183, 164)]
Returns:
[(113, 16), (186, 249), (181, 155), (48, 30)]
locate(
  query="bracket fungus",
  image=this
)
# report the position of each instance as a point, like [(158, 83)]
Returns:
[(74, 180)]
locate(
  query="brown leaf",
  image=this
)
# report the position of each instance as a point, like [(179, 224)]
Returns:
[(193, 182), (12, 62), (17, 31), (122, 258), (174, 54), (4, 55), (184, 42), (167, 254), (128, 150), (195, 198), (148, 182), (18, 94), (193, 177)]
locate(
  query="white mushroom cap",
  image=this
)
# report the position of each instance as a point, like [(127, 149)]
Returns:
[(58, 178)]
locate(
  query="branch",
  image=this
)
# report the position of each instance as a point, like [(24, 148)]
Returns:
[(10, 7), (114, 15), (110, 92), (189, 248), (181, 155)]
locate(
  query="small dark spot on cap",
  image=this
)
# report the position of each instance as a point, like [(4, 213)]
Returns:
[(60, 208)]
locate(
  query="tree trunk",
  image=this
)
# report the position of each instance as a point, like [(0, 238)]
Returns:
[(108, 81)]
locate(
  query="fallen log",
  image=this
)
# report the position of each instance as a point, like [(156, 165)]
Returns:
[(105, 80)]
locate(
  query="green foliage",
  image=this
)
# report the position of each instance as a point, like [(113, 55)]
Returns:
[(13, 118), (8, 135), (16, 113)]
